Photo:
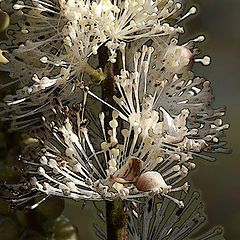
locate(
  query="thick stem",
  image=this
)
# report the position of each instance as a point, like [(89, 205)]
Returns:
[(116, 220), (116, 213)]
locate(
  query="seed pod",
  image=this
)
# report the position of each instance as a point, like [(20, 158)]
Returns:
[(150, 181), (130, 170)]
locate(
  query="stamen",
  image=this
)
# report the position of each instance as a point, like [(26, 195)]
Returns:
[(205, 60), (179, 203), (191, 11)]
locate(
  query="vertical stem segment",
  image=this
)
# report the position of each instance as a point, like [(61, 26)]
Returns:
[(116, 213), (116, 220)]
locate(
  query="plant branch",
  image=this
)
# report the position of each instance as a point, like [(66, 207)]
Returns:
[(116, 214)]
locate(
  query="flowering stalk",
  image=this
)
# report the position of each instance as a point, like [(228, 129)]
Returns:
[(116, 215), (117, 220), (155, 116)]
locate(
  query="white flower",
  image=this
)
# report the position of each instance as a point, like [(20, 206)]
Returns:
[(162, 116), (144, 91), (56, 40), (76, 29), (73, 166)]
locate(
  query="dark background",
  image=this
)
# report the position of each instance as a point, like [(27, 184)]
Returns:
[(219, 182)]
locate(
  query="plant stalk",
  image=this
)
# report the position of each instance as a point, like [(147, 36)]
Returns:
[(116, 218), (116, 212)]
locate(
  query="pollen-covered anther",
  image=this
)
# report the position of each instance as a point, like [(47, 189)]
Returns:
[(19, 5), (52, 163), (112, 167), (199, 39), (124, 192), (105, 146), (88, 181), (41, 171), (77, 168), (65, 189), (190, 165), (71, 186), (44, 59), (175, 157), (69, 152), (175, 168), (33, 181), (113, 123), (115, 152), (102, 188), (117, 186), (191, 11), (184, 171), (43, 160)]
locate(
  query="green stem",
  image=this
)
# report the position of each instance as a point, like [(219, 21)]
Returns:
[(97, 74)]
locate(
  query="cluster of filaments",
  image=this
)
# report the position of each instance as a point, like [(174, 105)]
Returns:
[(83, 26), (52, 43), (149, 155), (153, 220), (62, 35), (130, 164), (144, 149)]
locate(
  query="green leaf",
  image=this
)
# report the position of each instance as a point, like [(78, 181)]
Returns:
[(61, 229), (4, 21)]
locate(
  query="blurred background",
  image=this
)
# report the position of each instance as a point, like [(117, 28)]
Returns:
[(218, 182)]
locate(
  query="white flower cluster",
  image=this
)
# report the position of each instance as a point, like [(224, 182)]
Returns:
[(52, 42), (83, 26), (123, 166), (161, 115)]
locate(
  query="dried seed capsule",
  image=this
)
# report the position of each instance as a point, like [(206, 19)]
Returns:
[(131, 170), (151, 181)]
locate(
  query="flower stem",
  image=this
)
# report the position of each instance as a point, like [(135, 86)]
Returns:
[(116, 213), (116, 217)]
